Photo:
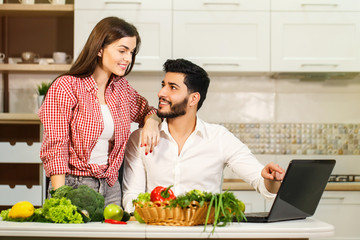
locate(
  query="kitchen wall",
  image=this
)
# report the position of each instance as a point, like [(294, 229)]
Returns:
[(251, 98), (234, 98)]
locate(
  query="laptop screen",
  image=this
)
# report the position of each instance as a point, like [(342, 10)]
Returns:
[(301, 190)]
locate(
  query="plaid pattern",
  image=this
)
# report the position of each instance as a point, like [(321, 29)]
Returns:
[(72, 120)]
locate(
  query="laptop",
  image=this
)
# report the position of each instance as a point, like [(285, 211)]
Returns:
[(300, 192)]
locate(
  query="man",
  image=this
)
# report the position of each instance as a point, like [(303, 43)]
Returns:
[(191, 153)]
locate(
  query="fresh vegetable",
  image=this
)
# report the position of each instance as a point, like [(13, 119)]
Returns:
[(61, 191), (193, 195), (160, 194), (60, 210), (126, 217), (23, 209), (55, 210), (114, 212), (88, 202), (227, 207), (112, 221), (36, 217), (142, 198)]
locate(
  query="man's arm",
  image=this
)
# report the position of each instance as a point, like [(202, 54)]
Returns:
[(239, 158), (134, 179)]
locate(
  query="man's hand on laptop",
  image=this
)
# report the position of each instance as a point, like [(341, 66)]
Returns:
[(273, 174)]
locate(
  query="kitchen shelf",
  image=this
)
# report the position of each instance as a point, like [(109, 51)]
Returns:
[(14, 9), (34, 67), (19, 118)]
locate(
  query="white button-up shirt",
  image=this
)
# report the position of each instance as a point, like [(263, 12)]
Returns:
[(200, 164)]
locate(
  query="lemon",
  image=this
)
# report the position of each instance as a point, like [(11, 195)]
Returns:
[(22, 209)]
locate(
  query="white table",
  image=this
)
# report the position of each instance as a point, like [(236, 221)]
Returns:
[(297, 229)]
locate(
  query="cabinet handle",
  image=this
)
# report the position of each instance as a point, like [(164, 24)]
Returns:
[(122, 2), (336, 198), (221, 3), (222, 64), (137, 63), (319, 4), (319, 65)]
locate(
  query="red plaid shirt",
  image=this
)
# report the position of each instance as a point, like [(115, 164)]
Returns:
[(72, 120)]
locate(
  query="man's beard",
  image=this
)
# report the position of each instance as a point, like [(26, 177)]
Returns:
[(176, 110)]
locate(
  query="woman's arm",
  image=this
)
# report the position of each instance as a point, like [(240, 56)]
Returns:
[(150, 134), (55, 114), (57, 181), (147, 117)]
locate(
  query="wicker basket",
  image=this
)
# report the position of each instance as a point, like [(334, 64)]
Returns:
[(155, 213)]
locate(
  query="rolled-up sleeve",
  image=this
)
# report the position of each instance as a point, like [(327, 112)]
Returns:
[(55, 114)]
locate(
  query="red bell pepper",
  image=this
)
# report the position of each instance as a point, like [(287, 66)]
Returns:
[(113, 221), (161, 194)]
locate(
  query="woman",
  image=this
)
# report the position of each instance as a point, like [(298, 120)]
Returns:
[(87, 113)]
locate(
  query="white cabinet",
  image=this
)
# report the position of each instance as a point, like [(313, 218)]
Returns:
[(153, 22), (24, 154), (122, 4), (253, 201), (234, 38), (218, 5), (341, 209), (315, 36)]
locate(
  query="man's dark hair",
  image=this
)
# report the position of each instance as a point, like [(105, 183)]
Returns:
[(196, 78)]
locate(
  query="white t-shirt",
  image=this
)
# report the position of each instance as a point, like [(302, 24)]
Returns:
[(100, 152), (200, 164)]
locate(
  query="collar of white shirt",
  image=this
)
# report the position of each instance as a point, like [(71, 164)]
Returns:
[(200, 129)]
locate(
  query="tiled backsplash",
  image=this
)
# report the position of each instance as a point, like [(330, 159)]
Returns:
[(298, 138)]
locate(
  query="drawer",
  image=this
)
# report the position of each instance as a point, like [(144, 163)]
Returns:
[(340, 197), (123, 4), (221, 5), (19, 193), (20, 153), (315, 5)]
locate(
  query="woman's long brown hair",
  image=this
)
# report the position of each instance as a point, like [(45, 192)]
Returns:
[(104, 33)]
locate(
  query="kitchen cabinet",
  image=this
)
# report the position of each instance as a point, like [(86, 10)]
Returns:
[(153, 22), (21, 172), (316, 36), (341, 209), (47, 28), (222, 36)]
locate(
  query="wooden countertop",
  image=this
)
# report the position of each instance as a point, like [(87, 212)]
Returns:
[(19, 118), (239, 185)]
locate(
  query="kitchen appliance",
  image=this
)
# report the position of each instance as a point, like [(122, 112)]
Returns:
[(344, 178)]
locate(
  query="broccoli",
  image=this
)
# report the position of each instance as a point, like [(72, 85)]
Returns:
[(88, 202), (61, 191)]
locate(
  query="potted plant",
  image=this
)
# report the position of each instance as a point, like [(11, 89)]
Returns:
[(41, 90)]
